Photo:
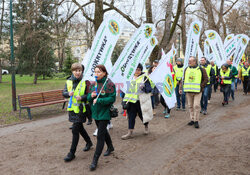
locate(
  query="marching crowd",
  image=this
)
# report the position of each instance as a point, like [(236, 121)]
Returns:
[(195, 83)]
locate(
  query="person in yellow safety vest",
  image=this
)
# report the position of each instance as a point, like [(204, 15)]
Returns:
[(195, 80), (206, 93), (244, 75), (131, 100), (235, 74), (216, 74), (225, 77), (180, 98), (78, 90), (238, 80)]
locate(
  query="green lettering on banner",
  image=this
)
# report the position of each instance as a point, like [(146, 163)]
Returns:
[(130, 73), (107, 54)]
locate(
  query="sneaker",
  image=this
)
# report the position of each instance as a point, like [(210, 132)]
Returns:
[(95, 133), (208, 102), (201, 111), (164, 112), (167, 116), (191, 123), (196, 124), (204, 112), (178, 109), (146, 131), (109, 126), (183, 109)]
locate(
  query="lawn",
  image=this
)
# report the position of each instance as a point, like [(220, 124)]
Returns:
[(25, 84)]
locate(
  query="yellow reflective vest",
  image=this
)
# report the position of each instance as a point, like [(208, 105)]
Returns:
[(226, 74), (245, 72), (80, 90), (192, 80), (215, 69), (178, 72), (208, 70)]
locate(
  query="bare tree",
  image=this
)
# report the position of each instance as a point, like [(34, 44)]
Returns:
[(1, 32)]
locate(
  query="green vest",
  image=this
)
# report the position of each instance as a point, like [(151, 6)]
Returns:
[(226, 74), (80, 90), (245, 72), (192, 80), (178, 72), (208, 70), (132, 95), (215, 69)]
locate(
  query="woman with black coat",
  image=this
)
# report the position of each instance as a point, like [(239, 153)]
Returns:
[(77, 90)]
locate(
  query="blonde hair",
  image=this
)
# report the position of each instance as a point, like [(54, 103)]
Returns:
[(76, 66)]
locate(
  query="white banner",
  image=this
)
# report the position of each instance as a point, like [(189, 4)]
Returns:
[(217, 47), (210, 57), (103, 46), (200, 54), (230, 45), (86, 59), (163, 80), (124, 68), (192, 41), (147, 50), (243, 42), (206, 48), (146, 107)]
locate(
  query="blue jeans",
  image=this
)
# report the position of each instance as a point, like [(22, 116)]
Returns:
[(236, 82), (181, 98), (204, 98), (231, 92)]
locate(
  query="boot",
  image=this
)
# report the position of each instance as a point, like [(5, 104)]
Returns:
[(109, 150), (146, 131), (88, 146), (93, 165), (128, 135), (69, 157)]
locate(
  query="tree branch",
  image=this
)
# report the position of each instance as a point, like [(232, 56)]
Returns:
[(81, 8), (230, 7)]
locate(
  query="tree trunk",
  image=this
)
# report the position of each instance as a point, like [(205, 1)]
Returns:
[(35, 79), (183, 25), (149, 16), (0, 70), (1, 31), (99, 13)]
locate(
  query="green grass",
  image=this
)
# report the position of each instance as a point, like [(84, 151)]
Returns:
[(24, 84)]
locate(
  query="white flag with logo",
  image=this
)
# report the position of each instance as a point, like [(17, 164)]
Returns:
[(192, 41), (230, 44), (103, 46), (243, 42), (163, 80), (206, 48), (217, 47), (124, 68)]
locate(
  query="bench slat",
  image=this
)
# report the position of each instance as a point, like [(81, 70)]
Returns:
[(48, 103)]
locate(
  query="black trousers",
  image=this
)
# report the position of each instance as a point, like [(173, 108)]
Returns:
[(89, 113), (245, 85), (102, 136), (163, 103), (76, 130), (133, 110)]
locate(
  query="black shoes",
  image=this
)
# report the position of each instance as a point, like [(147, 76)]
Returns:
[(89, 122), (69, 157), (191, 123), (109, 150), (88, 146), (196, 125), (93, 165)]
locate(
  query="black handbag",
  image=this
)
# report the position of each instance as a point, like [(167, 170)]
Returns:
[(113, 111), (125, 105)]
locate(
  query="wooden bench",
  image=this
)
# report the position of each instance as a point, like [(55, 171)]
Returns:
[(37, 99)]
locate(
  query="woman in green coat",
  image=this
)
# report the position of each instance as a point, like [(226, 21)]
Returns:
[(101, 111)]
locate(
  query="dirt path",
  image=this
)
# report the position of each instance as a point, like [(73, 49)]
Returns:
[(221, 146)]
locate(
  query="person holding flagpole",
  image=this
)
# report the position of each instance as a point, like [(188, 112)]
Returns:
[(244, 75), (100, 108), (194, 81), (235, 74), (225, 76), (216, 72), (131, 100)]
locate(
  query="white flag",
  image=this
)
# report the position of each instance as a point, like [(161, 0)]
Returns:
[(200, 54), (124, 68), (206, 48), (103, 46), (230, 44), (163, 80), (217, 47), (192, 41), (239, 53)]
